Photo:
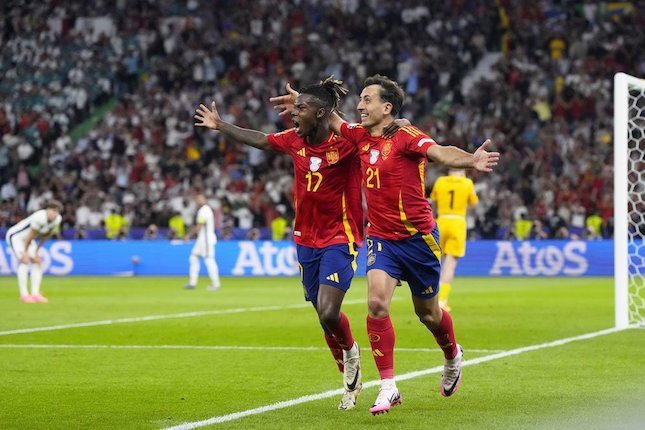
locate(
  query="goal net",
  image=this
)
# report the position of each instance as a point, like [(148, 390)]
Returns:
[(629, 200)]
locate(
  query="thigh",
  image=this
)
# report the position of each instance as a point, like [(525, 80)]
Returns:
[(380, 287), (32, 251), (17, 246)]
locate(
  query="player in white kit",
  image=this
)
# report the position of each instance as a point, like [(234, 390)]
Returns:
[(25, 239), (204, 247)]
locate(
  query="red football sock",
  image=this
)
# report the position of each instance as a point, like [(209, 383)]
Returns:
[(445, 336), (336, 351), (381, 335), (343, 333)]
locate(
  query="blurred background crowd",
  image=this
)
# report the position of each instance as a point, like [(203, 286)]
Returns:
[(97, 100)]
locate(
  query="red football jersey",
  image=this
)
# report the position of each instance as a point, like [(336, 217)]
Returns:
[(327, 189), (394, 181)]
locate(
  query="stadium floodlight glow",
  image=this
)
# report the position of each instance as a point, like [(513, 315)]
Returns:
[(629, 200)]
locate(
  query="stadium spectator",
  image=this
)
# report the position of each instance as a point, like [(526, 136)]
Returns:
[(279, 224), (546, 99)]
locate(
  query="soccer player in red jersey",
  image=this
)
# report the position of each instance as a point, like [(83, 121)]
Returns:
[(328, 227), (402, 236)]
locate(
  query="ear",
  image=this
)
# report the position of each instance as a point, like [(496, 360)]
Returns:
[(321, 112), (387, 108)]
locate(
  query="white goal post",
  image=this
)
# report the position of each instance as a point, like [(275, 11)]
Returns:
[(629, 200)]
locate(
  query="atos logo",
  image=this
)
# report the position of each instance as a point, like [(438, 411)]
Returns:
[(265, 259), (56, 260), (548, 260)]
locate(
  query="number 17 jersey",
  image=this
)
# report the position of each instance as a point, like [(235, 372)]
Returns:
[(327, 189)]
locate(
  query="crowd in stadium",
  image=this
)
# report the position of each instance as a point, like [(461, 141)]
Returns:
[(546, 104)]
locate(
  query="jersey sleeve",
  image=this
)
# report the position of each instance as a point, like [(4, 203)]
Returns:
[(39, 220), (354, 133), (281, 141), (201, 215), (417, 142)]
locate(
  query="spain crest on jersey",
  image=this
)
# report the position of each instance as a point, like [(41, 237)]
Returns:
[(332, 156), (387, 148), (314, 163)]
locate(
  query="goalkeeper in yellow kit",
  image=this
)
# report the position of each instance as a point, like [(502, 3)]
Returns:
[(452, 195)]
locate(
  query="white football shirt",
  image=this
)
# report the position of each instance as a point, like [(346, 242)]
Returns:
[(36, 221)]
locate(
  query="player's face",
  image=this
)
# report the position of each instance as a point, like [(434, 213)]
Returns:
[(52, 214), (304, 115), (371, 107)]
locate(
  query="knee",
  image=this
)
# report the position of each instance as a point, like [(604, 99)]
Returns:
[(430, 319), (378, 307), (328, 317)]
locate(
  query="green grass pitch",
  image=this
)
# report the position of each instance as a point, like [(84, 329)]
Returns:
[(255, 343)]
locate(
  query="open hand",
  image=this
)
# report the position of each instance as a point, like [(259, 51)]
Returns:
[(394, 126), (207, 118), (286, 102), (485, 161)]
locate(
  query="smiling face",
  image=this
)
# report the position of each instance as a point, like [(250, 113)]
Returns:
[(306, 114), (372, 108)]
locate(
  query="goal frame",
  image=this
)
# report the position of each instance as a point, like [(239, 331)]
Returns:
[(622, 81)]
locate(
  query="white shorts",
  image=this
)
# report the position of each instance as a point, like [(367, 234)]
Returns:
[(202, 250), (18, 247)]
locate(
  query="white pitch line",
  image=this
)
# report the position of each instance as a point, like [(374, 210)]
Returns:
[(406, 376), (168, 316), (210, 347)]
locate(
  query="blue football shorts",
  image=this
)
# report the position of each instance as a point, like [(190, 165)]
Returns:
[(332, 265), (416, 259)]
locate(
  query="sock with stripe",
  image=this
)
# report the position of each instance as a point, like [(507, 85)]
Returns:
[(343, 333), (336, 351), (444, 334), (381, 335)]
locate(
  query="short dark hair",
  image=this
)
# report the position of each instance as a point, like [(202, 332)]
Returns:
[(329, 92), (54, 204), (390, 92)]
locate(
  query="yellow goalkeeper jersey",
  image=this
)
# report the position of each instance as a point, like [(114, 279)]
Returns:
[(453, 194)]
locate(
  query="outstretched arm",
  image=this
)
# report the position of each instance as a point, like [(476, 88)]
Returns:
[(452, 156), (211, 119)]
